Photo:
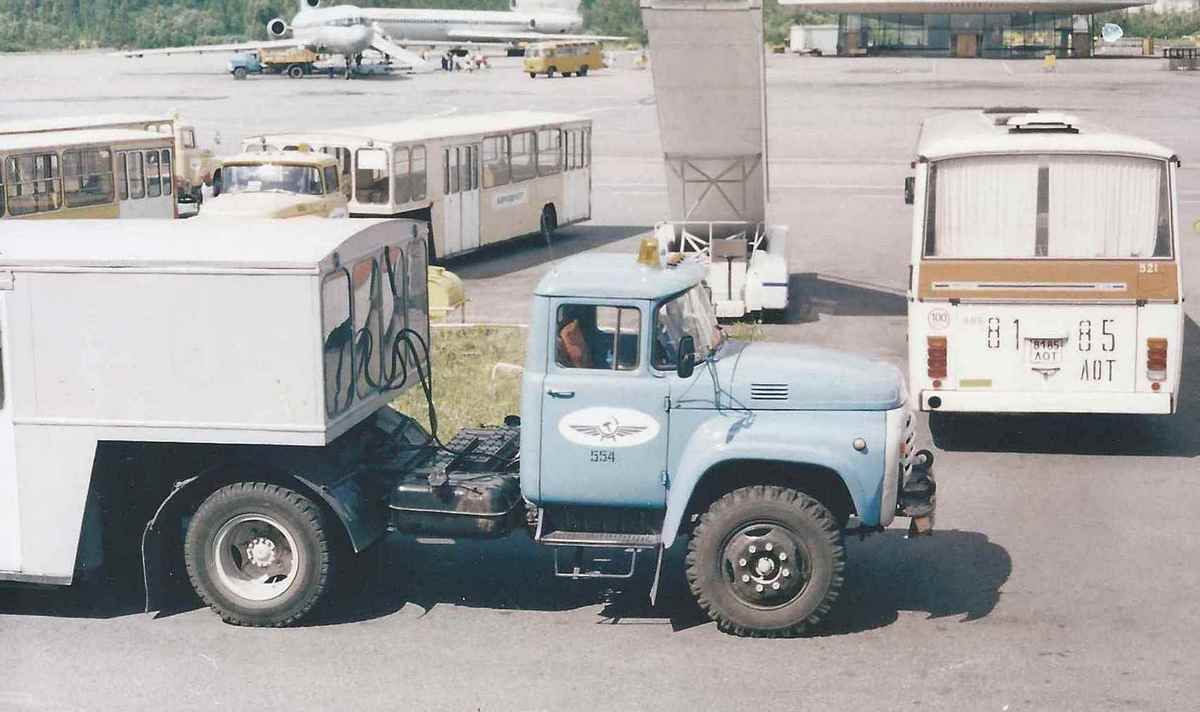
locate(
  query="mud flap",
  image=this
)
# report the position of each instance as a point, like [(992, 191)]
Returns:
[(156, 568)]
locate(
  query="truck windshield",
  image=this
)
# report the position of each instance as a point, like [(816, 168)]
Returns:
[(689, 314), (1055, 206), (272, 178)]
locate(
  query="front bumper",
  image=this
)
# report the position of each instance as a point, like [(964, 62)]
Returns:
[(918, 494)]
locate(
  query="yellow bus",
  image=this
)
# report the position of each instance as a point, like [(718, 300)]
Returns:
[(93, 173), (477, 179), (194, 166), (576, 57)]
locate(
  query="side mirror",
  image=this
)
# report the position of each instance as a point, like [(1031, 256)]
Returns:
[(910, 190), (687, 357)]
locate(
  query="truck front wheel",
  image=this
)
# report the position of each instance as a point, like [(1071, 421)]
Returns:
[(239, 72), (766, 561), (295, 71), (258, 554)]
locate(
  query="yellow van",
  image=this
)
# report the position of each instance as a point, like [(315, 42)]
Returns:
[(567, 57)]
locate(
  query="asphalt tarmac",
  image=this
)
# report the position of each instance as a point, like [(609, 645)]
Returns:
[(1063, 573)]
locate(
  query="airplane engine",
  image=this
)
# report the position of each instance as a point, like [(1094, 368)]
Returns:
[(312, 3), (277, 27)]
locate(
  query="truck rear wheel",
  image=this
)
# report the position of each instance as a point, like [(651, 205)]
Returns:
[(766, 561), (295, 71), (582, 71), (239, 72), (258, 554)]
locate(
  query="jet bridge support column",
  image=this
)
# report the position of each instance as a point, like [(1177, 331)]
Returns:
[(708, 65)]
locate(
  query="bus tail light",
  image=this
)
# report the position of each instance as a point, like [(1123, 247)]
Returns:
[(936, 356), (1156, 359)]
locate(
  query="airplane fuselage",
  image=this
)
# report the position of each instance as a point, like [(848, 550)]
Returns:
[(340, 30), (451, 25)]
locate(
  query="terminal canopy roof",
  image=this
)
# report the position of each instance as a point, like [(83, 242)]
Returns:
[(965, 7)]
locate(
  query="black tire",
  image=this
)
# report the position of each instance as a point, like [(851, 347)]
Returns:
[(239, 72), (771, 599), (295, 71), (582, 71), (550, 72), (548, 224), (533, 75), (264, 511)]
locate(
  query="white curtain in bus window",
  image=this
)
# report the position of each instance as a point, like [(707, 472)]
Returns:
[(549, 150), (33, 184), (371, 179), (153, 187), (401, 178), (337, 327), (523, 166), (367, 282), (87, 177), (983, 207), (417, 171), (1104, 206), (495, 161), (133, 166)]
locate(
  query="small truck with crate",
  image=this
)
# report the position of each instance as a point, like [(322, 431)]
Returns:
[(232, 395)]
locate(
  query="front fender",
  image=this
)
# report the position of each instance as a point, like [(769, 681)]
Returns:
[(820, 438)]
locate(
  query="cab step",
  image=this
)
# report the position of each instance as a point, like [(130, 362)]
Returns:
[(599, 539), (590, 562)]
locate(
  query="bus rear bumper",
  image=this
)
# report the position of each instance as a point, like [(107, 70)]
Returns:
[(1032, 402)]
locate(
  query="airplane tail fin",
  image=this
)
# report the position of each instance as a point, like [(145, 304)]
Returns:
[(571, 6)]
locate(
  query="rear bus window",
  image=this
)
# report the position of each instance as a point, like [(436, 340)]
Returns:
[(371, 181), (1048, 206)]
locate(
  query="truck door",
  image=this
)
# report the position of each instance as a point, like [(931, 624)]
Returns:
[(10, 539), (604, 420)]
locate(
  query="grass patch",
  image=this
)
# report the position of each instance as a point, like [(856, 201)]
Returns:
[(463, 391)]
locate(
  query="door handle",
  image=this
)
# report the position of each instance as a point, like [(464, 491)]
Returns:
[(560, 394)]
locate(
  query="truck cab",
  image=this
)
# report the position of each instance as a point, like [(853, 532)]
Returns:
[(278, 184)]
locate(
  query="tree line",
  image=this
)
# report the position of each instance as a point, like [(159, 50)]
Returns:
[(27, 25)]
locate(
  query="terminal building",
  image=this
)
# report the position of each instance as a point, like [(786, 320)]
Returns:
[(1000, 29)]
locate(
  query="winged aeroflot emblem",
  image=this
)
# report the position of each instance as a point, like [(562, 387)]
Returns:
[(610, 427)]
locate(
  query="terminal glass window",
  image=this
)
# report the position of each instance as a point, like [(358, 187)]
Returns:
[(495, 161), (597, 337), (87, 177), (371, 180), (400, 170), (137, 180), (522, 156), (549, 151), (33, 183), (1053, 206), (417, 181), (153, 187)]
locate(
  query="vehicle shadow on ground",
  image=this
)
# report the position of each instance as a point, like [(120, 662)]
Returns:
[(516, 255), (109, 596), (812, 295), (950, 574), (1175, 435)]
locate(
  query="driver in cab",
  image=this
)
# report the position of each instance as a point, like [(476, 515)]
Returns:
[(577, 336)]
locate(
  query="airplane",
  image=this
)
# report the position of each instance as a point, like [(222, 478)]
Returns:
[(349, 31), (340, 29)]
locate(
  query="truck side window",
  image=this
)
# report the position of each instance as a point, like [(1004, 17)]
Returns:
[(597, 337)]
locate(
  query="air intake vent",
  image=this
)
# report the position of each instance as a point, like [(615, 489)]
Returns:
[(769, 391), (1047, 122)]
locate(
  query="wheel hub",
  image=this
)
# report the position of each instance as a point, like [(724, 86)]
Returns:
[(255, 557), (766, 565), (261, 552)]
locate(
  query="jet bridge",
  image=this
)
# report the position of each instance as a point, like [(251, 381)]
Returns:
[(708, 66)]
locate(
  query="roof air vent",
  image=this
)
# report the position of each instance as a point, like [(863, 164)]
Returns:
[(769, 391), (1054, 123)]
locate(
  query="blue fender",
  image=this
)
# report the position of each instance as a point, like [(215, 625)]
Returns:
[(815, 438)]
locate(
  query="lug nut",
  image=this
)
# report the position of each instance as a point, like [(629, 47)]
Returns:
[(769, 546), (782, 556), (753, 548), (775, 586), (787, 572), (741, 562), (745, 578), (759, 588)]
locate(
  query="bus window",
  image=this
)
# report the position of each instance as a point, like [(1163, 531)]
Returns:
[(122, 183), (522, 160), (470, 177), (371, 176), (549, 151), (153, 187), (87, 177), (33, 184), (495, 161), (168, 178), (331, 179), (137, 184), (417, 182), (587, 147), (1, 192), (1054, 206), (401, 177), (455, 162)]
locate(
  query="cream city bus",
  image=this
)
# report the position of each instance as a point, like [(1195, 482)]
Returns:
[(193, 166), (477, 179), (1045, 271), (93, 173)]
